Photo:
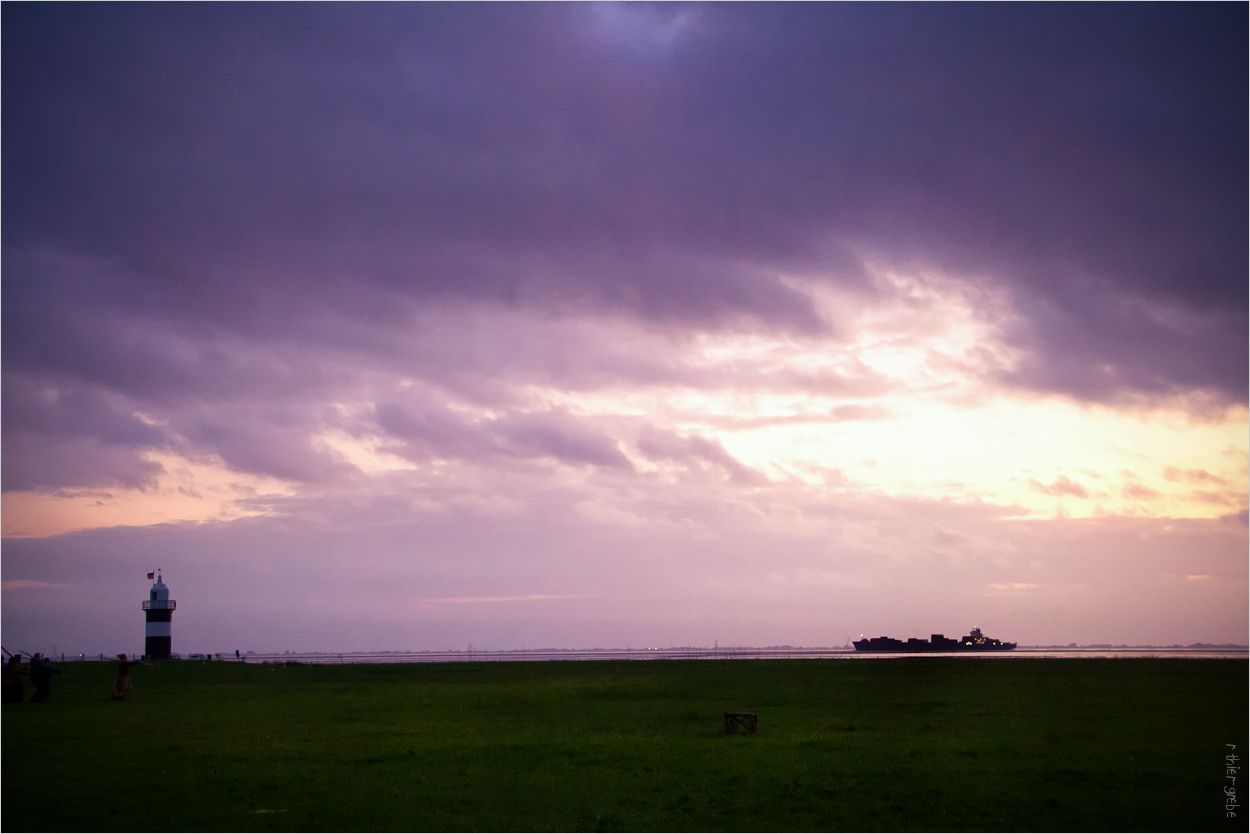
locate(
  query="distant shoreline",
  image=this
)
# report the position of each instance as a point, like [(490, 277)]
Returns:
[(734, 649), (721, 653), (1194, 650)]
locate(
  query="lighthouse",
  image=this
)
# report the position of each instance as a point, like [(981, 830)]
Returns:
[(160, 612)]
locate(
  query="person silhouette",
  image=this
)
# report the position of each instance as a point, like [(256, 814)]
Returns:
[(32, 666), (41, 672), (122, 687), (14, 691)]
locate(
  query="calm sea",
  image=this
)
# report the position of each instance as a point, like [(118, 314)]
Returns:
[(687, 653)]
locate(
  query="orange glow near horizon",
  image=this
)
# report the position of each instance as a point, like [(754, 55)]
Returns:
[(188, 491)]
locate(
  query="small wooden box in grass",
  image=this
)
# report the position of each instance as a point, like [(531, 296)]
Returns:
[(740, 722)]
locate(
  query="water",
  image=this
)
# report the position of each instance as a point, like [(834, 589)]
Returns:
[(686, 653)]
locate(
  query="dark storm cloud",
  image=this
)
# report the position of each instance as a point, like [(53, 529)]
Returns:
[(432, 431), (267, 444), (175, 175), (73, 410), (68, 434), (33, 462), (559, 435)]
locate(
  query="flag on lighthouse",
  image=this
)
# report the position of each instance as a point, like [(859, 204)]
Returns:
[(151, 576)]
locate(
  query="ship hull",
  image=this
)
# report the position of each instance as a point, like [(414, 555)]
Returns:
[(862, 646)]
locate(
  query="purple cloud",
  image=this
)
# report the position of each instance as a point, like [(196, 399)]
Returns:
[(660, 445), (439, 432), (238, 167), (1062, 485), (464, 276)]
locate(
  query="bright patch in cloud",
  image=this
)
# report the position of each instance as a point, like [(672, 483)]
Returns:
[(365, 453)]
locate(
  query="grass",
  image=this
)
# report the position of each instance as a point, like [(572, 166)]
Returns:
[(904, 744)]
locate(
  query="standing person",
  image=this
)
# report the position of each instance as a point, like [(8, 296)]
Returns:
[(41, 677), (33, 665), (14, 691), (122, 688)]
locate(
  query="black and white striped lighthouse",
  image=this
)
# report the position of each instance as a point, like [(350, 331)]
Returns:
[(160, 610)]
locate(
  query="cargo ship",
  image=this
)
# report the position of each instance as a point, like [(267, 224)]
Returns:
[(974, 642)]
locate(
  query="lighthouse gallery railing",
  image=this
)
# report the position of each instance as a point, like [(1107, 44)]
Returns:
[(159, 604)]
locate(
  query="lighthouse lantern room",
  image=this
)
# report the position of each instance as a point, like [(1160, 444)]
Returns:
[(160, 612)]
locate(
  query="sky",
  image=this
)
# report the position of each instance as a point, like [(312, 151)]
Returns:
[(410, 326)]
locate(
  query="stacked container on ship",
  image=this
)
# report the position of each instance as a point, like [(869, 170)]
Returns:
[(974, 642)]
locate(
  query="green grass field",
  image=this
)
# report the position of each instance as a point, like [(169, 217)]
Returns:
[(919, 744)]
